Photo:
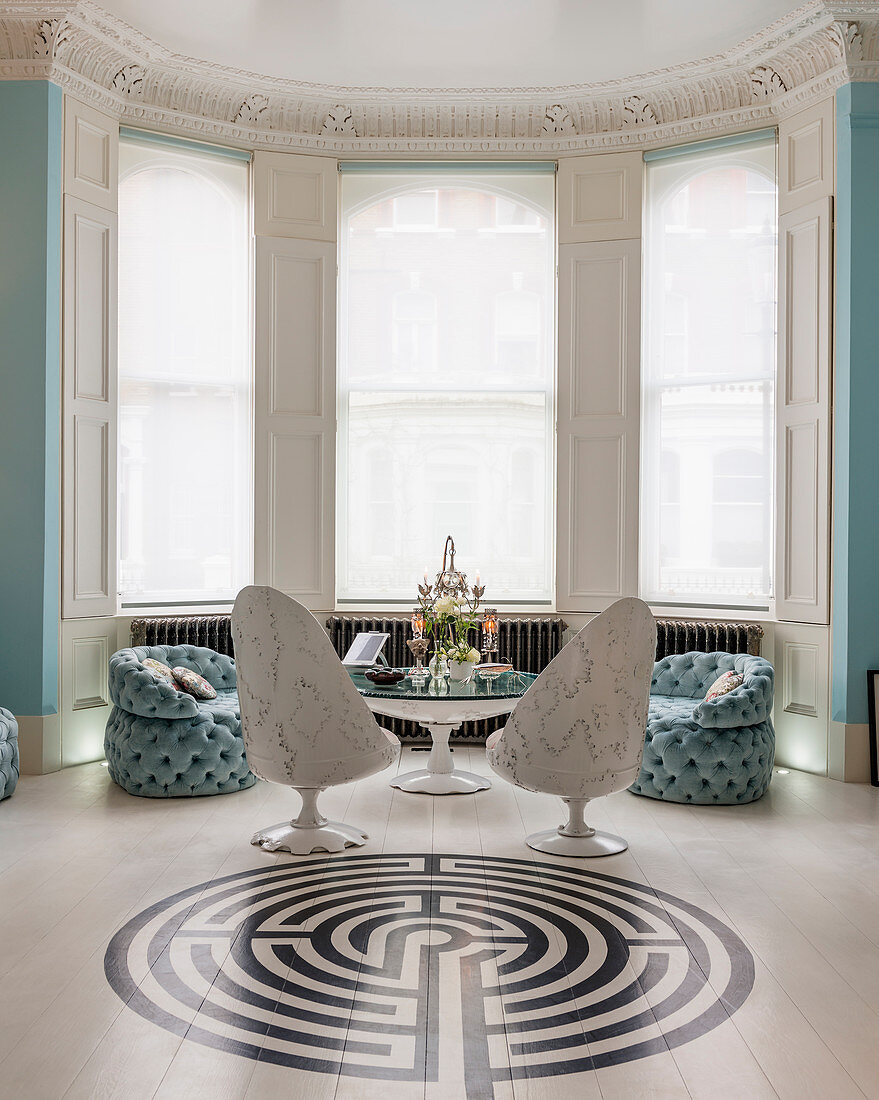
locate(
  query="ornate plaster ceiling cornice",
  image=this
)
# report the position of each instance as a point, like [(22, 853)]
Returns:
[(103, 61)]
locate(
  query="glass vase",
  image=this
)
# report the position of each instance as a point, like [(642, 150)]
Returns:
[(438, 667)]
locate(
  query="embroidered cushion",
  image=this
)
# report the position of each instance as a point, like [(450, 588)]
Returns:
[(724, 684), (193, 684), (160, 671)]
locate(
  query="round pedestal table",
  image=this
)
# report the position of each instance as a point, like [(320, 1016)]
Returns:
[(441, 707)]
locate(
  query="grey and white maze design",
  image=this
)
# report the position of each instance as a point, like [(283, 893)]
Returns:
[(458, 968)]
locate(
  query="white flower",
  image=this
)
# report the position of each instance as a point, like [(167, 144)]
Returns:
[(445, 605), (463, 654)]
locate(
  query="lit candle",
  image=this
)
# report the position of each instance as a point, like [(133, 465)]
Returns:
[(425, 574), (477, 579)]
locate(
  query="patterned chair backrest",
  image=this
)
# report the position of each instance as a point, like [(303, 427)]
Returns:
[(302, 718), (585, 714)]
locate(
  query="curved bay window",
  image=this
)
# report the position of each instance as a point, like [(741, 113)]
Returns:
[(446, 371), (708, 377), (184, 376)]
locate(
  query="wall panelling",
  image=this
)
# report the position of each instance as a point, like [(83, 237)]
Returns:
[(802, 711), (91, 155), (803, 414), (295, 196), (600, 197), (806, 156), (598, 423), (89, 432), (295, 418), (86, 647)]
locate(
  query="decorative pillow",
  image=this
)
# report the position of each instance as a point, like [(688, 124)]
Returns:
[(161, 672), (721, 686), (194, 684)]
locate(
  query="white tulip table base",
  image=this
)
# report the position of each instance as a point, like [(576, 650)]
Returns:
[(440, 776)]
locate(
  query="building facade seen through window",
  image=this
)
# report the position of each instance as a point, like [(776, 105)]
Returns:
[(185, 466), (708, 377), (445, 383)]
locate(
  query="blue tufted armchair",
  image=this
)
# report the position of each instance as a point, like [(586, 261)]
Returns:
[(717, 752), (162, 743), (8, 753)]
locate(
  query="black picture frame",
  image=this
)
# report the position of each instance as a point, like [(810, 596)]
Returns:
[(872, 692)]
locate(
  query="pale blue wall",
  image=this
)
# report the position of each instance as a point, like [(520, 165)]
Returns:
[(30, 394), (856, 403)]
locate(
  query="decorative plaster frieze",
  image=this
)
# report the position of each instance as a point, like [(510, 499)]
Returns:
[(557, 120), (853, 43), (129, 80), (339, 121), (101, 60), (766, 83), (638, 112), (250, 110), (51, 34)]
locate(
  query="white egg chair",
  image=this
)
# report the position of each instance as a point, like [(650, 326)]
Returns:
[(578, 732), (304, 723)]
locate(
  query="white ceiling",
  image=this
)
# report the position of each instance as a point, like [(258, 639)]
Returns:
[(449, 44)]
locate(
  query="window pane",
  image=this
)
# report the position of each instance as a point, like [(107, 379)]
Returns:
[(184, 376), (445, 382), (708, 377)]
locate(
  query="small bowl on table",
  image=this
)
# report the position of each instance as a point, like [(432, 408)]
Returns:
[(384, 677)]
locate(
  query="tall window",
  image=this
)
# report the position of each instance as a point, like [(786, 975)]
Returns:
[(446, 380), (184, 376), (708, 377)]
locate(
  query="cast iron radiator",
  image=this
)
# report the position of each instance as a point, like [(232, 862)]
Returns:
[(688, 636), (211, 631), (530, 644)]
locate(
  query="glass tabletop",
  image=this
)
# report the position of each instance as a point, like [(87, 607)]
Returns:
[(507, 685)]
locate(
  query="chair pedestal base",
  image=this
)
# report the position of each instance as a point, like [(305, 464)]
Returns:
[(332, 836), (575, 837), (557, 844), (310, 832)]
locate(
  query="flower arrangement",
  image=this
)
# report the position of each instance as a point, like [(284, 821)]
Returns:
[(447, 620), (464, 653), (448, 613)]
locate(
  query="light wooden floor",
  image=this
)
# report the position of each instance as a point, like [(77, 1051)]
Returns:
[(795, 875)]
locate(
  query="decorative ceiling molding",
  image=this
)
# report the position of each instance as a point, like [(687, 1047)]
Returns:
[(107, 63)]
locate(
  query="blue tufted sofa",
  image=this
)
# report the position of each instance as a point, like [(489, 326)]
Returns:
[(163, 743), (8, 753), (712, 753)]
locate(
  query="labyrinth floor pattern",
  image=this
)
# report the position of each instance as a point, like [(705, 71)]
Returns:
[(361, 964)]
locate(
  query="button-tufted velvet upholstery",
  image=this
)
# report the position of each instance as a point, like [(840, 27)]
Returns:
[(8, 753), (162, 743), (718, 752)]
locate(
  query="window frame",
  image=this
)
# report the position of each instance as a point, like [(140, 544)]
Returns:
[(441, 178), (738, 149), (165, 149)]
